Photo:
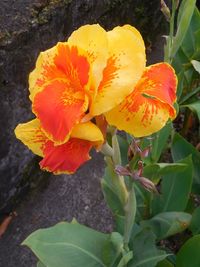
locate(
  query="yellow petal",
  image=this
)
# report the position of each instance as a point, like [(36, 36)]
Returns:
[(125, 65), (31, 135), (36, 77), (87, 131), (150, 117), (93, 40)]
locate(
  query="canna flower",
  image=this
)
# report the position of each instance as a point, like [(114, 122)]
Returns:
[(94, 74), (65, 158), (84, 77)]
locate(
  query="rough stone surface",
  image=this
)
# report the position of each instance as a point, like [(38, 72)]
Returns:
[(26, 28), (61, 198)]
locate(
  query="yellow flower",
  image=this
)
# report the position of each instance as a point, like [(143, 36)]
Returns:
[(95, 72), (90, 73)]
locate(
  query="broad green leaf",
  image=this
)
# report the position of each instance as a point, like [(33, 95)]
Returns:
[(181, 11), (189, 50), (110, 256), (194, 107), (112, 199), (175, 189), (158, 143), (143, 202), (189, 254), (181, 149), (145, 252), (123, 144), (196, 65), (39, 264), (115, 194), (184, 22), (190, 95), (125, 259), (155, 171), (168, 223), (195, 223), (119, 223), (68, 244), (164, 263)]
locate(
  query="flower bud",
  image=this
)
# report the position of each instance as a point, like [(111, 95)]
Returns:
[(147, 184), (165, 10), (120, 170)]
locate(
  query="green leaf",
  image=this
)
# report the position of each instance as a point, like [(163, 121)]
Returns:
[(39, 264), (184, 22), (123, 144), (168, 223), (145, 252), (175, 188), (143, 202), (195, 223), (115, 194), (189, 50), (165, 263), (189, 254), (196, 65), (181, 149), (112, 199), (194, 107), (125, 259), (68, 244), (155, 171), (190, 95), (113, 249), (158, 143)]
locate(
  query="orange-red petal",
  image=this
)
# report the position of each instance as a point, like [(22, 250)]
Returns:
[(159, 81), (60, 100), (59, 107), (150, 105), (93, 40), (65, 158), (59, 62)]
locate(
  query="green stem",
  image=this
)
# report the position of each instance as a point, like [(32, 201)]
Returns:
[(116, 150), (168, 56), (130, 212), (107, 150)]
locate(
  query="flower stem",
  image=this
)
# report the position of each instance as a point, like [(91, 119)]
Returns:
[(107, 150), (130, 212)]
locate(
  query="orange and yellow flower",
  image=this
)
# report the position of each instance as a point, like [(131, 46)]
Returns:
[(95, 72)]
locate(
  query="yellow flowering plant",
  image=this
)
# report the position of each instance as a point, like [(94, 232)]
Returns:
[(95, 91), (76, 81)]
